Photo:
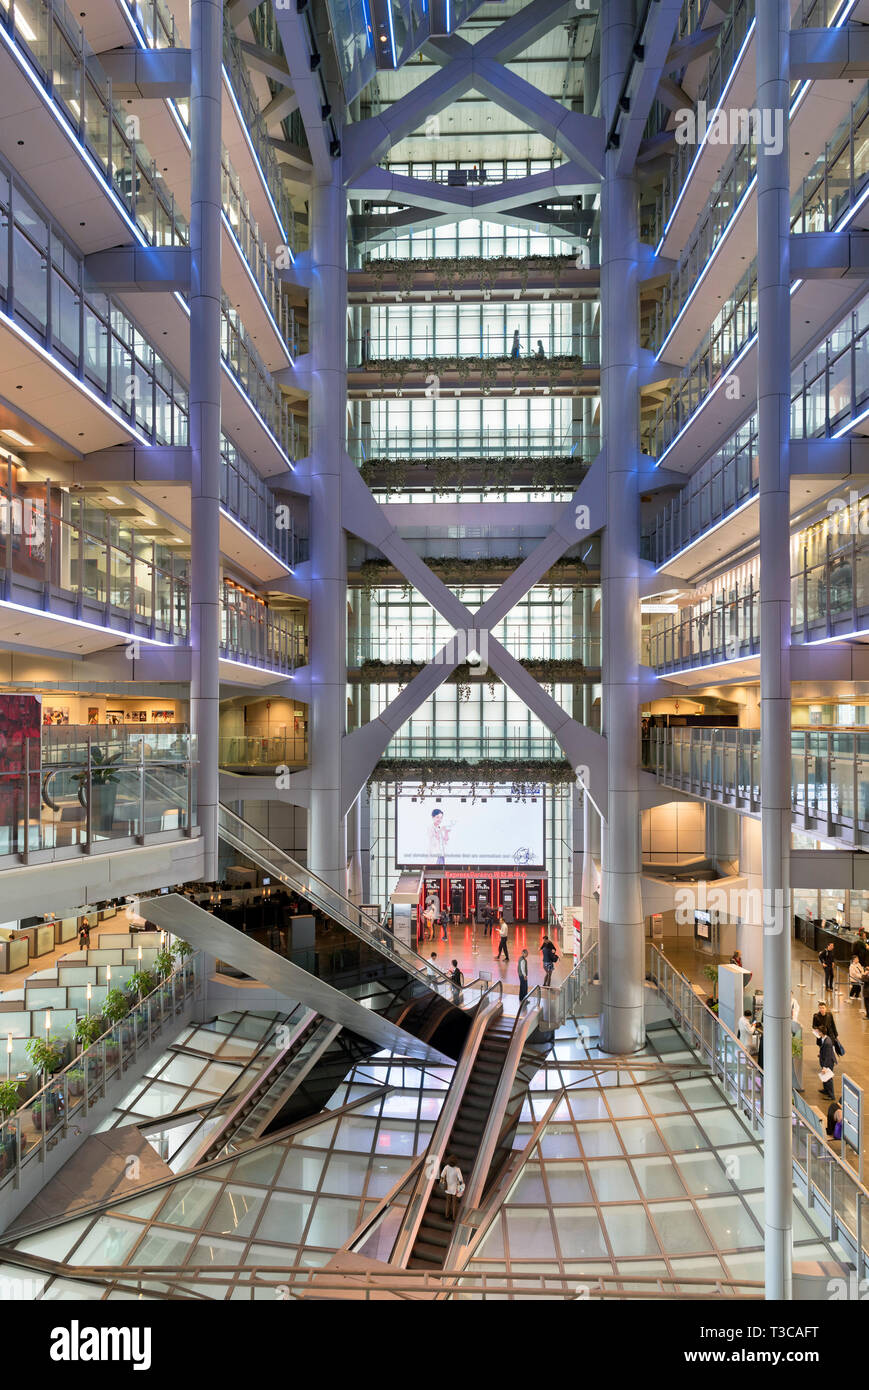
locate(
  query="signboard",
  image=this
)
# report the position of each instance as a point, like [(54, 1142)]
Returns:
[(852, 1119), (456, 829), (657, 926)]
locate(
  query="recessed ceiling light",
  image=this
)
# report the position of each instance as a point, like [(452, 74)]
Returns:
[(117, 501), (17, 438)]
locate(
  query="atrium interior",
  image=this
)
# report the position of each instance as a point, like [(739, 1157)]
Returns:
[(434, 681)]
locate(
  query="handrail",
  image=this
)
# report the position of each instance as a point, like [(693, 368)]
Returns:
[(54, 1095), (845, 1197), (245, 1079), (438, 1146), (523, 1025), (330, 901), (268, 1071)]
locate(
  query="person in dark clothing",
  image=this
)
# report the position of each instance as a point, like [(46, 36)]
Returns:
[(866, 994), (550, 960), (457, 980), (824, 1022), (84, 935), (834, 1118), (522, 968), (827, 1062), (826, 959), (502, 939)]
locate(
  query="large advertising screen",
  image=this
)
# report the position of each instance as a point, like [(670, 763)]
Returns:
[(458, 830)]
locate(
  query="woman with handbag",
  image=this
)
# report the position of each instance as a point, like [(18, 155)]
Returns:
[(550, 960)]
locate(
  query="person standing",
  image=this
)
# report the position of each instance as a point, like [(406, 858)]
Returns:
[(457, 980), (432, 970), (443, 921), (514, 350), (84, 935), (866, 993), (827, 1062), (453, 1185), (550, 960), (522, 968), (826, 959), (855, 977), (823, 1023), (502, 941)]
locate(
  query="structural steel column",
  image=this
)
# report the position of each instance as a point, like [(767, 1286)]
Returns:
[(621, 909), (206, 42), (773, 411), (327, 849)]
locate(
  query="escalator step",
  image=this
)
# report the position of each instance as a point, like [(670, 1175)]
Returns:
[(435, 1235), (431, 1254)]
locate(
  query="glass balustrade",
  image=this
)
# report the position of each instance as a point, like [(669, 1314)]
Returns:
[(833, 185), (479, 342), (62, 1103), (252, 633), (829, 596), (86, 795), (829, 772), (828, 389), (240, 80), (65, 65), (265, 750), (475, 745)]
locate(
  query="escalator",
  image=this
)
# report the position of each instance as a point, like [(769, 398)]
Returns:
[(252, 1114), (336, 959), (435, 1232), (476, 1127)]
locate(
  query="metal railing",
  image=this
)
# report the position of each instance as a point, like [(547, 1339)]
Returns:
[(45, 1120), (829, 773), (332, 904), (263, 750), (825, 1180), (566, 1000), (90, 799)]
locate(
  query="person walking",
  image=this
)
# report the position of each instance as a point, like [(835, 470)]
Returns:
[(866, 993), (540, 351), (550, 960), (827, 1062), (826, 959), (514, 350), (444, 918), (432, 970), (823, 1023), (855, 977), (84, 934), (502, 940), (457, 980), (453, 1185), (522, 968)]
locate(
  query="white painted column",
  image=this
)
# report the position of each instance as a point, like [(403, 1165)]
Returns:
[(621, 910), (773, 410), (327, 845), (206, 42)]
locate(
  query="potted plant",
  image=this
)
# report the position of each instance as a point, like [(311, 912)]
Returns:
[(75, 1081), (46, 1057), (87, 1029), (103, 789), (164, 962), (142, 982), (115, 1006), (9, 1102), (797, 1059), (711, 973), (185, 951)]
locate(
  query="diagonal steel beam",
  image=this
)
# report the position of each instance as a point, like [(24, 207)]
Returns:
[(579, 137), (364, 142)]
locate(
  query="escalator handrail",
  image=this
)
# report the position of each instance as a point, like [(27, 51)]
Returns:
[(231, 1115), (322, 895), (438, 1146), (523, 1026)]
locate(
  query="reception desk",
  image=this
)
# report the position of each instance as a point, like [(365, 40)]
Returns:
[(815, 936), (14, 955)]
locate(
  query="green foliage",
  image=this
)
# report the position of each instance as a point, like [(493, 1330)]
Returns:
[(164, 962), (184, 950), (524, 776), (9, 1097), (103, 769), (142, 982), (46, 1056), (796, 1045), (87, 1029), (116, 1006)]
